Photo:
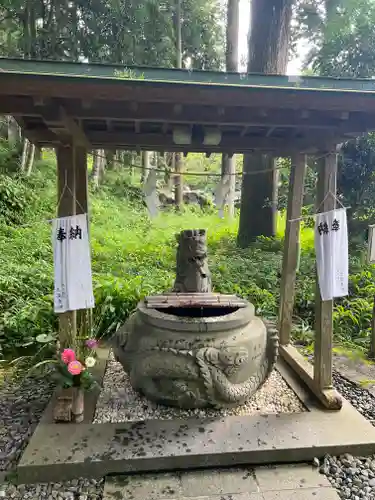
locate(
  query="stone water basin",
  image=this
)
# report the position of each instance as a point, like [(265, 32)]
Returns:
[(196, 350)]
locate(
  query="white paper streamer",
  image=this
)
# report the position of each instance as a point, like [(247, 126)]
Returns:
[(72, 264), (332, 259), (221, 194), (151, 194)]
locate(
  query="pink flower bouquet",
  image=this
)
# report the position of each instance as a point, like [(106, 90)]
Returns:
[(74, 366)]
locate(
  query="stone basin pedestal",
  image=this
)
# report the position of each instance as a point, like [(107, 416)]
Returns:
[(195, 357), (193, 348)]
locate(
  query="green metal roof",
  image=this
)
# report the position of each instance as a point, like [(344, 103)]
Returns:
[(140, 108), (127, 73)]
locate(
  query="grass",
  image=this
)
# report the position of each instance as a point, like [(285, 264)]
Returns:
[(133, 256)]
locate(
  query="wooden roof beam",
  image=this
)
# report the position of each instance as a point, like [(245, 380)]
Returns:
[(177, 109), (205, 115), (244, 131), (208, 115), (75, 130), (235, 144), (29, 134)]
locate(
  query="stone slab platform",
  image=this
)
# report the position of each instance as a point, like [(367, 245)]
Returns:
[(59, 452), (242, 483), (91, 397)]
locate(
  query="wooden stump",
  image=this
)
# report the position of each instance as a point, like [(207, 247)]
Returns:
[(192, 272), (63, 408)]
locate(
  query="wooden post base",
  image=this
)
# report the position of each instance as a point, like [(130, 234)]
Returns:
[(63, 408), (328, 396)]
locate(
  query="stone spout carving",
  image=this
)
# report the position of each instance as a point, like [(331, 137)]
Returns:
[(200, 362), (192, 273)]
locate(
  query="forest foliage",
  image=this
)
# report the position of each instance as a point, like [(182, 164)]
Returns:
[(133, 256)]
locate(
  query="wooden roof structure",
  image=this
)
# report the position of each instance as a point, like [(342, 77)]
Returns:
[(76, 107), (136, 108)]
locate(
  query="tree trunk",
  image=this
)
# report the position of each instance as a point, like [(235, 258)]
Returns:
[(95, 172), (268, 53), (25, 154), (102, 163), (38, 153), (228, 165), (178, 163), (30, 160), (178, 186), (178, 29), (109, 159), (169, 168), (145, 166), (192, 273), (133, 161)]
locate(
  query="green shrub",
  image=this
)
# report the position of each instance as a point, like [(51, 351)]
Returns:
[(13, 199), (133, 257), (9, 158)]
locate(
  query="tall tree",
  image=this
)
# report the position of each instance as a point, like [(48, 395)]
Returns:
[(178, 187), (340, 34), (131, 32), (268, 53), (228, 164)]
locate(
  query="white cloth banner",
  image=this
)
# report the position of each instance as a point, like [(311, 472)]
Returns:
[(221, 194), (72, 264), (151, 194), (331, 247)]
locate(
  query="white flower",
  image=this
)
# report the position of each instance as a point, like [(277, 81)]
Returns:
[(90, 362)]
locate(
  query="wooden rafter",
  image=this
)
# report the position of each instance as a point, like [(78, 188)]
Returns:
[(154, 112)]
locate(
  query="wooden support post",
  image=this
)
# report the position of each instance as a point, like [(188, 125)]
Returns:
[(327, 173), (291, 246), (370, 259), (178, 190), (371, 353), (84, 316), (319, 377), (81, 179), (66, 188)]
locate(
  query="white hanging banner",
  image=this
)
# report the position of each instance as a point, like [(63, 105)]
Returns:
[(72, 264), (151, 194), (332, 259), (221, 194)]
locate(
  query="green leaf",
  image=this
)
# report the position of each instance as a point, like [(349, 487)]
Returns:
[(44, 338)]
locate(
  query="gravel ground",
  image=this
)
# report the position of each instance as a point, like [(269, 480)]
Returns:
[(21, 406), (20, 410), (118, 402), (360, 398), (353, 477), (77, 489)]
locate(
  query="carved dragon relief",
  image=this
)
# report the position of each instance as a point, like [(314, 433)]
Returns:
[(192, 368), (197, 377)]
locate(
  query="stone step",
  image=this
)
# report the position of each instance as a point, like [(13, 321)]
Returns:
[(60, 452), (242, 483)]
